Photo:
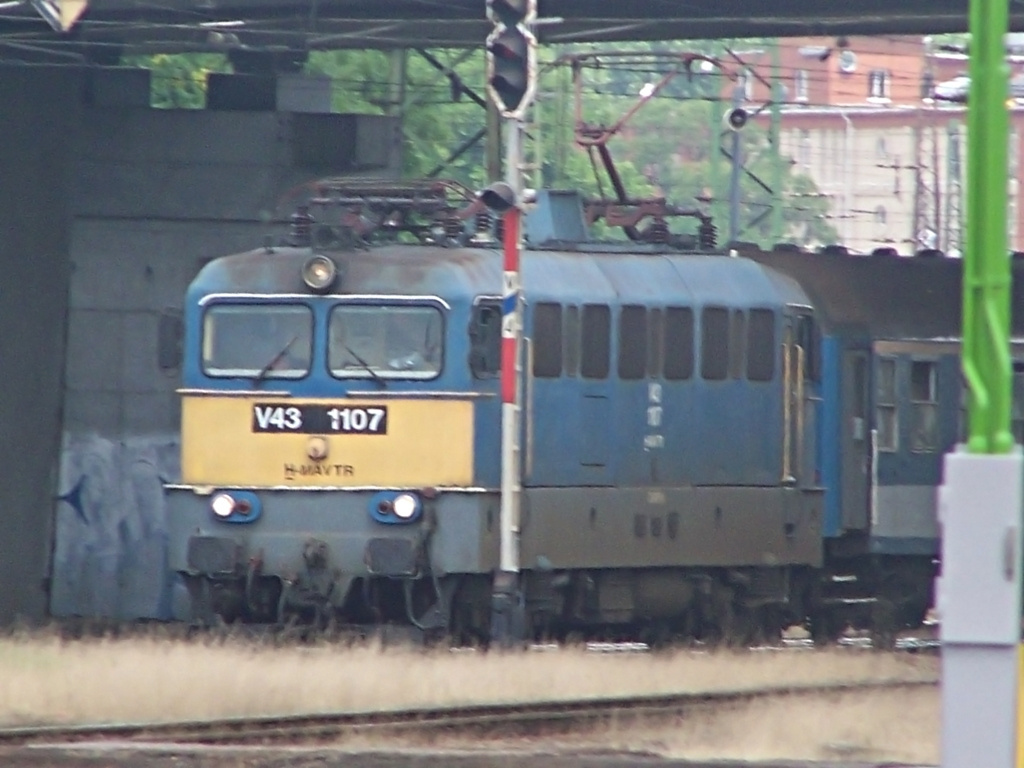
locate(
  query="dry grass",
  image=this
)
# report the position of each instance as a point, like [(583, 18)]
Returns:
[(863, 728), (897, 726), (46, 680)]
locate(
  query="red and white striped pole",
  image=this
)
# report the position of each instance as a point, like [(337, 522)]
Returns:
[(511, 361), (511, 331)]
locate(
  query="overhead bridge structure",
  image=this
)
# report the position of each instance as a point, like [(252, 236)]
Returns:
[(99, 29)]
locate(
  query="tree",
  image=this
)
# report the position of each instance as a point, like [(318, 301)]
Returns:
[(672, 147)]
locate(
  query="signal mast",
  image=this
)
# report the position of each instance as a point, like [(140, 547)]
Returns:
[(512, 85)]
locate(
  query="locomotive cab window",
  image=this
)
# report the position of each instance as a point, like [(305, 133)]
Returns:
[(259, 341), (387, 342)]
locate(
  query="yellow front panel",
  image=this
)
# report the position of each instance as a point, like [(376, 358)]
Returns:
[(427, 443)]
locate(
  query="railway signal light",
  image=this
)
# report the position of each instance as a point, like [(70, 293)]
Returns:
[(512, 55), (735, 118)]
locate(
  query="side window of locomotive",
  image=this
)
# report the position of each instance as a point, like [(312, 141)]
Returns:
[(571, 340), (266, 341), (547, 340), (885, 404), (924, 409), (485, 339), (632, 342), (655, 342), (761, 345), (714, 343), (678, 343), (170, 337), (382, 341), (596, 347), (737, 338)]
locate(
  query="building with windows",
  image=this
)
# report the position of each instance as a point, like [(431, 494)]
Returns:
[(879, 124)]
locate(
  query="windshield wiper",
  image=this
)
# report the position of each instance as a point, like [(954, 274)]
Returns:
[(275, 360), (376, 377)]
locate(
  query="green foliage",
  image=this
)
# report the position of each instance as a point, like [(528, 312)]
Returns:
[(670, 146), (179, 80), (437, 116), (673, 146)]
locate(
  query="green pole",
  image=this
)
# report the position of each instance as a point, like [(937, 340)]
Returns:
[(986, 309)]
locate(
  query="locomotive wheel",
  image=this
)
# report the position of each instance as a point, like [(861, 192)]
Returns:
[(825, 627), (884, 625)]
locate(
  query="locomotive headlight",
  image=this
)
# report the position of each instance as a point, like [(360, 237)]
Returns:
[(405, 505), (223, 505), (319, 273)]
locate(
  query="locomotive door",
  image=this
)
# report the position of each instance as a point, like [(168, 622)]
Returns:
[(799, 356), (855, 440)]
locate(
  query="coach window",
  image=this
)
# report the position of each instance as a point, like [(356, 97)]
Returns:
[(596, 347), (632, 342), (547, 340), (885, 404), (924, 432), (761, 345), (678, 343), (714, 343), (737, 334), (655, 342), (259, 341)]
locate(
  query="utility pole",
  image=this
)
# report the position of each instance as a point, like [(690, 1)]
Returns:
[(775, 137), (511, 83), (980, 502), (398, 64), (952, 219), (736, 166)]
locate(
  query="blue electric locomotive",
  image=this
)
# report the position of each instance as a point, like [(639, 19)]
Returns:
[(712, 445)]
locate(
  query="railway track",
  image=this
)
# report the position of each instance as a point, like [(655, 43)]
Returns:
[(490, 721)]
